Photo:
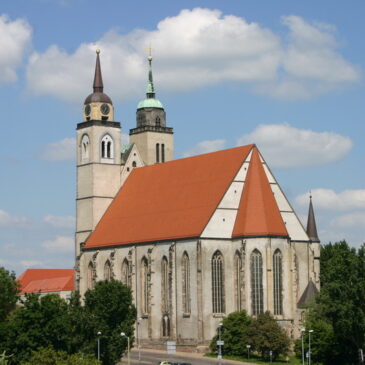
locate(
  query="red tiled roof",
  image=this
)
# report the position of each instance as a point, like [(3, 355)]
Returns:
[(168, 201), (258, 213), (46, 280)]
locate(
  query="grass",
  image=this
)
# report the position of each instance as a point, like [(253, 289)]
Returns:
[(293, 360)]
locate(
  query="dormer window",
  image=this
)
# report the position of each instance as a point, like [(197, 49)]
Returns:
[(107, 149)]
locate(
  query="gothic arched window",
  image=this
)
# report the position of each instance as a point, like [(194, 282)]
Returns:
[(162, 152), (126, 275), (107, 147), (257, 291), (85, 147), (144, 287), (185, 274), (165, 285), (218, 297), (165, 326), (157, 153), (278, 282), (237, 281), (107, 271), (90, 276)]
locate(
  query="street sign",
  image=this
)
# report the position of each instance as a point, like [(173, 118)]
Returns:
[(171, 347), (220, 343)]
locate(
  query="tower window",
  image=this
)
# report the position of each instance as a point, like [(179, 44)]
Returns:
[(158, 122), (84, 148), (157, 153), (218, 298), (107, 147), (257, 291), (162, 152)]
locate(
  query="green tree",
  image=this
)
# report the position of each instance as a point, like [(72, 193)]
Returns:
[(49, 356), (40, 321), (338, 315), (110, 310), (234, 334), (266, 335), (9, 290)]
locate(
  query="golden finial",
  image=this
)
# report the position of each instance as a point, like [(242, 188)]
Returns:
[(98, 51)]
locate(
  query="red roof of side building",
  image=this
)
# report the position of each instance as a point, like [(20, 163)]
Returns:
[(46, 280), (167, 201), (258, 213)]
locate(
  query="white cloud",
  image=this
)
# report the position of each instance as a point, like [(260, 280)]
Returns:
[(197, 48), (59, 244), (205, 147), (356, 219), (60, 221), (327, 199), (284, 146), (15, 40), (60, 151), (31, 263), (7, 219)]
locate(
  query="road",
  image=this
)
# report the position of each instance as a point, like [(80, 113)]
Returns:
[(153, 357)]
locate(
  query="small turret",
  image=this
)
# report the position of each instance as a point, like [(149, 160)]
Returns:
[(311, 223)]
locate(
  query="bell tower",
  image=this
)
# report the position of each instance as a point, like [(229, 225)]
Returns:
[(98, 139), (154, 140)]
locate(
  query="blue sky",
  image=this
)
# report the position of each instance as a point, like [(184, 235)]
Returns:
[(286, 75)]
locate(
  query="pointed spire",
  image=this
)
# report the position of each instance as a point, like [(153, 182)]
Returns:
[(98, 80), (311, 224), (150, 92)]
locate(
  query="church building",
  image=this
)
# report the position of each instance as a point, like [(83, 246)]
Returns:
[(194, 238)]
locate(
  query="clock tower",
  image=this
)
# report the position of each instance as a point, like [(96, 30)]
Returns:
[(98, 159)]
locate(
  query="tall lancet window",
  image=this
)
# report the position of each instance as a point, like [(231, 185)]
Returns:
[(90, 276), (107, 271), (164, 285), (144, 287), (126, 274), (257, 291), (218, 297), (157, 153), (162, 152), (84, 148), (237, 281), (185, 274), (278, 282), (107, 147)]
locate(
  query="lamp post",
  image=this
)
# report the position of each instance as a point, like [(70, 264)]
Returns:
[(99, 334), (220, 343), (124, 335), (138, 343), (309, 347), (302, 333), (248, 351)]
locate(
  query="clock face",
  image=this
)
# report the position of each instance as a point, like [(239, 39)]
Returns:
[(105, 109), (87, 109)]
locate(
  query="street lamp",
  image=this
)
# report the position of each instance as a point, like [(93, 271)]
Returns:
[(220, 342), (99, 334), (124, 335), (138, 343), (248, 351), (309, 347), (302, 333)]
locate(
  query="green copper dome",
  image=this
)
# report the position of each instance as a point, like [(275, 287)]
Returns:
[(150, 101)]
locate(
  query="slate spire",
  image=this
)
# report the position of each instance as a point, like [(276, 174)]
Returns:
[(98, 79), (150, 92), (311, 223)]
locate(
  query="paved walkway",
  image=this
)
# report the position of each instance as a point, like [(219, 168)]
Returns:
[(150, 356)]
